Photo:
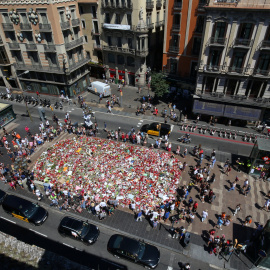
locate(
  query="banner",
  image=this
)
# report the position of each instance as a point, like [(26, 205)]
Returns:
[(116, 26)]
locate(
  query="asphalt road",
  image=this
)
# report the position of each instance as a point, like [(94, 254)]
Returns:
[(94, 257), (127, 121)]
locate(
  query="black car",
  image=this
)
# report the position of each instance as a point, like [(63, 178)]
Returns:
[(2, 196), (133, 250), (157, 129), (24, 210), (79, 230)]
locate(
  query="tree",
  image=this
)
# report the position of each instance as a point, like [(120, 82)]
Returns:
[(158, 84)]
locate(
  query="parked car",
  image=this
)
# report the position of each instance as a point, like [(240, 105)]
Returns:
[(133, 250), (157, 129), (79, 230), (24, 210), (2, 195)]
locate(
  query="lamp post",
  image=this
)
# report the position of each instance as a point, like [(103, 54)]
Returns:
[(25, 72)]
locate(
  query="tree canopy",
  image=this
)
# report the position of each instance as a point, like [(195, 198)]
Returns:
[(158, 84)]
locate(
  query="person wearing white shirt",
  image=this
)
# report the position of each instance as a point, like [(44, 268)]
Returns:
[(204, 215)]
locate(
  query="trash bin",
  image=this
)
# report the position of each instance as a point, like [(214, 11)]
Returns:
[(116, 81), (186, 239)]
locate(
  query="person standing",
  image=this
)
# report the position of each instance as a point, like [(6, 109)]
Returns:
[(248, 221), (247, 190), (219, 223), (204, 215), (237, 209), (139, 215), (233, 185), (105, 126), (266, 205), (185, 153)]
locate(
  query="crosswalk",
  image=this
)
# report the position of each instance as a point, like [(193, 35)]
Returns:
[(140, 123)]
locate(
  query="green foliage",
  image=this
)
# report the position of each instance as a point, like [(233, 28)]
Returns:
[(158, 84)]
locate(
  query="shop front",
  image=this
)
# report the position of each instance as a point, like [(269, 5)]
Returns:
[(260, 158), (7, 114)]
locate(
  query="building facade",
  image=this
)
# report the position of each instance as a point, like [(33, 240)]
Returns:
[(131, 38), (233, 72), (44, 37), (184, 22)]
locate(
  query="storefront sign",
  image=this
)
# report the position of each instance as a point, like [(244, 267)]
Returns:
[(208, 108), (244, 113), (116, 26)]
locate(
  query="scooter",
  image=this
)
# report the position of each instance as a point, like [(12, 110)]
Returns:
[(245, 137), (234, 135), (225, 134), (230, 135), (200, 130), (250, 138)]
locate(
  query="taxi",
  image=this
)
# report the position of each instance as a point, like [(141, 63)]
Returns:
[(157, 129)]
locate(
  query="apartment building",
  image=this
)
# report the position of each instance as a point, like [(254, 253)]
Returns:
[(131, 38), (184, 22), (233, 73), (44, 42)]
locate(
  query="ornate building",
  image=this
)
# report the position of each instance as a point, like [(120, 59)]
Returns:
[(44, 43), (233, 73)]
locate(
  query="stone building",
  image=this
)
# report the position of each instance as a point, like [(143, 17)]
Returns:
[(233, 71), (44, 44)]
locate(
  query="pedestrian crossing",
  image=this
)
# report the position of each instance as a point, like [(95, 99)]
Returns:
[(140, 123)]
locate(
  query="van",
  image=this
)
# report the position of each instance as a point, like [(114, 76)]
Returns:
[(100, 88), (24, 210)]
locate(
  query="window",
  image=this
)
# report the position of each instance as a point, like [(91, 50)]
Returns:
[(81, 9), (175, 41), (130, 61), (267, 35), (120, 59), (199, 24), (48, 37), (173, 66), (24, 18), (219, 30), (143, 43), (109, 40), (238, 60), (111, 58), (177, 19), (214, 58), (107, 18), (17, 55), (130, 43), (83, 23), (28, 35), (88, 54), (52, 59), (148, 19), (6, 18), (3, 56), (129, 21), (263, 61), (86, 39), (94, 11), (62, 16), (157, 16), (73, 14), (76, 32), (117, 19), (196, 45), (245, 31), (44, 18), (33, 56), (119, 42)]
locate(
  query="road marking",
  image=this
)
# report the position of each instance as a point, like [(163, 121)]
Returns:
[(38, 233), (171, 261), (172, 127), (8, 220), (68, 245), (119, 115), (141, 120), (169, 268), (139, 124), (78, 249)]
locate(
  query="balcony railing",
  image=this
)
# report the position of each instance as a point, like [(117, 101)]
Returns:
[(65, 25), (174, 49), (44, 27), (142, 53), (49, 48), (159, 24), (159, 3), (118, 49), (261, 72), (235, 70), (75, 22), (79, 64), (265, 44), (40, 68), (14, 46), (97, 47), (31, 47), (239, 42), (108, 4), (74, 43), (149, 4), (211, 68), (150, 26), (25, 26), (95, 32), (177, 5), (176, 27), (217, 41), (7, 26)]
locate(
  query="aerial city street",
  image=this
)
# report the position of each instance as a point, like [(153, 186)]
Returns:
[(135, 134)]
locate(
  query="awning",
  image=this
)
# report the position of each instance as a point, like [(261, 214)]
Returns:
[(210, 108), (237, 112)]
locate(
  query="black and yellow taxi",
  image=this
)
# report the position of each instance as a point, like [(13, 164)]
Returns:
[(24, 210), (157, 129)]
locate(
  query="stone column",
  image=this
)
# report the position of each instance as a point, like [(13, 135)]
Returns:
[(221, 85)]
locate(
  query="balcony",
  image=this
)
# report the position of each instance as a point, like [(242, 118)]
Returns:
[(174, 49), (97, 47), (79, 64), (72, 44), (149, 4), (159, 3), (177, 5), (7, 26), (212, 69), (49, 48), (26, 26), (14, 46), (261, 72), (150, 26), (159, 24), (75, 22), (176, 27), (39, 68), (265, 45), (44, 27), (108, 4), (242, 43), (142, 53), (95, 32), (65, 25), (1, 41), (119, 49), (235, 70), (31, 47), (217, 41)]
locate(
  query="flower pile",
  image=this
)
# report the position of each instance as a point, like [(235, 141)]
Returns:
[(111, 170)]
